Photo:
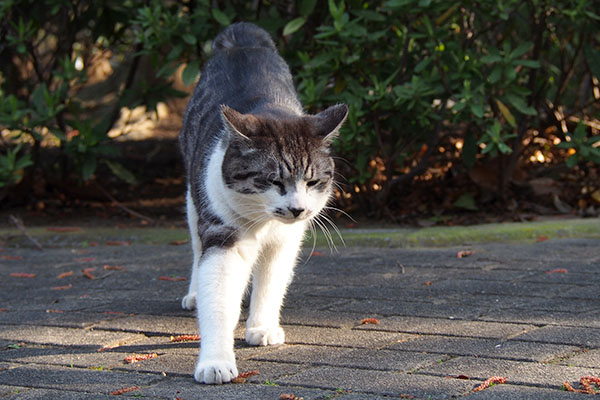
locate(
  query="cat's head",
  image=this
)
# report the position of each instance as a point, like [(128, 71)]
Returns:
[(280, 167)]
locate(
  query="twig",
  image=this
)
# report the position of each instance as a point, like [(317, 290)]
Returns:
[(122, 206), (21, 227)]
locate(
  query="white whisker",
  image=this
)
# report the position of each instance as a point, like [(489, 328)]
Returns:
[(341, 212), (335, 228)]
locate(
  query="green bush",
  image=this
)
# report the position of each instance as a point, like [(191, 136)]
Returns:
[(491, 75), (493, 79)]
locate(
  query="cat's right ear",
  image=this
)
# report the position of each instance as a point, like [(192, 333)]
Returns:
[(328, 122), (245, 125)]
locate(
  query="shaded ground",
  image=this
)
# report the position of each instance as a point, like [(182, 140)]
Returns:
[(527, 312)]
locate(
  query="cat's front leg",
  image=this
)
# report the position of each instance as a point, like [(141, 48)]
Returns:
[(270, 279), (222, 278), (189, 300)]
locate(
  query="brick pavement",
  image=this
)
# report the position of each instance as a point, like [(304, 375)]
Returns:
[(497, 312)]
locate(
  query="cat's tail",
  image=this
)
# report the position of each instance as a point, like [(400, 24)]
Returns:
[(243, 34)]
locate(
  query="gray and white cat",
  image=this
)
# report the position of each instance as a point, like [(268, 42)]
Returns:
[(258, 170)]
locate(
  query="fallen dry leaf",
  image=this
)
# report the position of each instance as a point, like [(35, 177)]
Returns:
[(185, 338), (316, 254), (558, 271), (12, 258), (22, 275), (3, 309), (465, 253), (428, 283), (63, 229), (65, 274), (139, 357), (289, 396), (113, 268), (493, 380), (55, 311), (586, 382), (542, 238), (243, 377), (125, 390), (117, 243), (172, 278), (570, 388), (108, 347), (178, 242), (87, 272), (66, 287), (373, 321)]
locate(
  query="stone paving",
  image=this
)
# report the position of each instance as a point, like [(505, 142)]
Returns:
[(528, 312)]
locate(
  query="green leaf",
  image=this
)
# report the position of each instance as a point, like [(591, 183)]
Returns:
[(370, 15), (190, 72), (528, 63), (565, 145), (88, 167), (175, 52), (496, 74), (397, 3), (572, 160), (521, 49), (504, 148), (167, 70), (220, 17), (520, 104), (306, 7), (579, 133), (490, 59), (121, 172), (466, 202), (477, 110), (189, 38), (506, 113), (293, 25), (335, 10), (423, 64), (593, 59)]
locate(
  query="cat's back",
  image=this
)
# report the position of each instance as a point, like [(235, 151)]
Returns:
[(246, 73), (243, 35)]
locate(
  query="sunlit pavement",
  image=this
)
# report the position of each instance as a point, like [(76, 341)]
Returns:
[(435, 325)]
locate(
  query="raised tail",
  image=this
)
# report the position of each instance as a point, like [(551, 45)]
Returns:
[(243, 34)]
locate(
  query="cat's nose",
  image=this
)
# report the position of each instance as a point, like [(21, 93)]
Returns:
[(296, 211)]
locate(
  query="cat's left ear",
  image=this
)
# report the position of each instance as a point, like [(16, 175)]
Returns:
[(327, 123)]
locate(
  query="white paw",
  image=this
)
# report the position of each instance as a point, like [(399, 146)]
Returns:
[(215, 372), (263, 336), (189, 301)]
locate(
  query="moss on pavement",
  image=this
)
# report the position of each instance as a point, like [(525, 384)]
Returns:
[(399, 237)]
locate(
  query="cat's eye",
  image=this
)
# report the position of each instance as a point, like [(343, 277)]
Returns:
[(279, 184), (312, 183)]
